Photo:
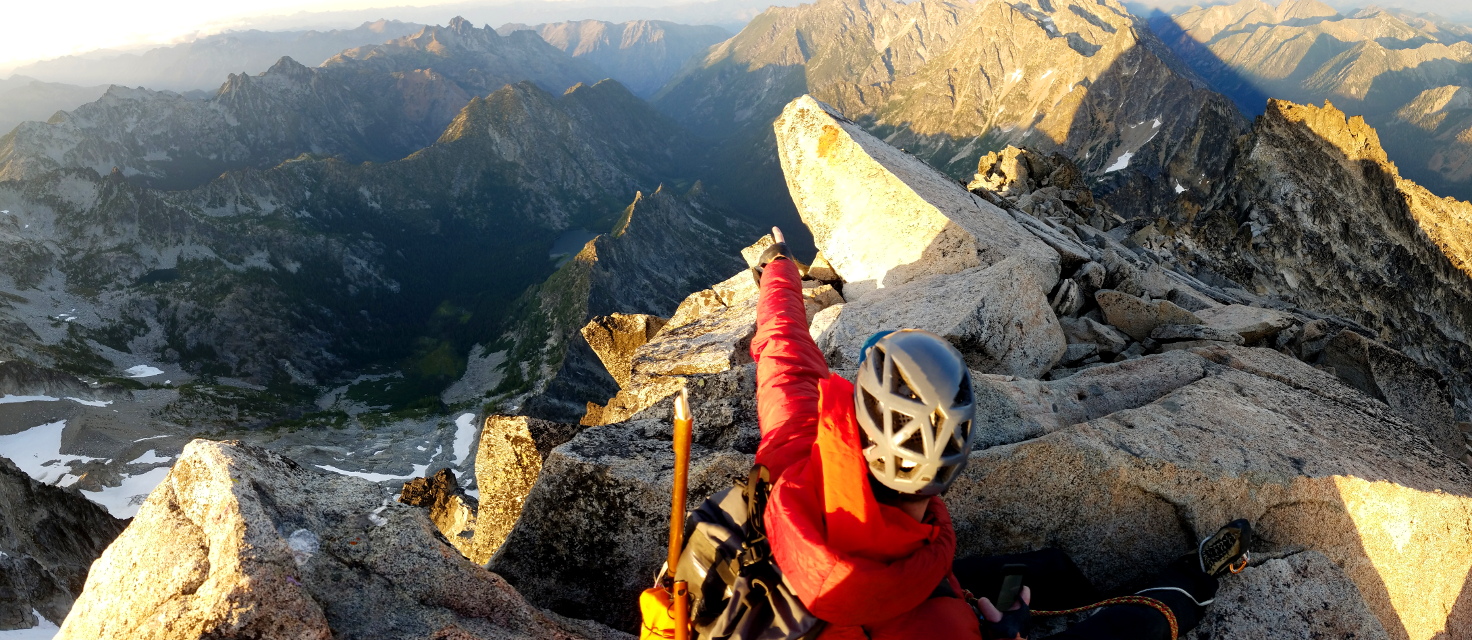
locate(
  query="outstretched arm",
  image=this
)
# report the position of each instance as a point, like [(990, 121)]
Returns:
[(788, 367)]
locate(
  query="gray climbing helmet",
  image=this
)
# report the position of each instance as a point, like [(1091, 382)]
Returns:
[(915, 408)]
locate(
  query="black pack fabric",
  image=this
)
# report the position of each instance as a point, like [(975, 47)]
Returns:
[(736, 590)]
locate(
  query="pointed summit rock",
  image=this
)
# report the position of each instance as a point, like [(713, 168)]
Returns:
[(915, 249), (882, 217)]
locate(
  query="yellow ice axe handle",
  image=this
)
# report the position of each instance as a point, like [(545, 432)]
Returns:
[(682, 477)]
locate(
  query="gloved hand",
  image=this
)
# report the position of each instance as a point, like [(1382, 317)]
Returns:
[(996, 625), (777, 251)]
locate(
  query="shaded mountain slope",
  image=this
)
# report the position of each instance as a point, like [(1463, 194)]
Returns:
[(664, 246), (317, 264)]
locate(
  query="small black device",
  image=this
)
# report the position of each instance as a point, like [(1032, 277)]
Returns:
[(1011, 586)]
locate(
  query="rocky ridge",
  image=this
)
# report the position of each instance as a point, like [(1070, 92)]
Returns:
[(1382, 252), (1170, 406), (239, 542), (1385, 64)]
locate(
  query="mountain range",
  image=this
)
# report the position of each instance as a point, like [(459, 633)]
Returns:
[(949, 82), (203, 62), (640, 54), (1402, 71)]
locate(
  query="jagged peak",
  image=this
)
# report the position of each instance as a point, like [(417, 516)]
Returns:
[(475, 118), (287, 65), (1298, 9), (460, 25), (1356, 139)]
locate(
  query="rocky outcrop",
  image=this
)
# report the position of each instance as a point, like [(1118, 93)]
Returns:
[(615, 338), (507, 466), (1316, 215), (883, 218), (48, 540), (594, 530), (896, 232), (241, 543), (450, 508), (1312, 462), (1125, 456)]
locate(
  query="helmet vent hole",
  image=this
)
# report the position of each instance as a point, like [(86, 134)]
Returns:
[(871, 407), (914, 444), (879, 363), (902, 387), (898, 422)]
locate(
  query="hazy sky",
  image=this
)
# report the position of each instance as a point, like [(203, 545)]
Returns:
[(30, 30)]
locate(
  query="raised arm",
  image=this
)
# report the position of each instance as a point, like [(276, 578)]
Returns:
[(788, 367)]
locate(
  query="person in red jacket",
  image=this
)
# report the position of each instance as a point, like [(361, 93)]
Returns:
[(855, 518)]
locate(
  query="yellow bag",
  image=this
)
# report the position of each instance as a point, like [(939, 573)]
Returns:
[(658, 612)]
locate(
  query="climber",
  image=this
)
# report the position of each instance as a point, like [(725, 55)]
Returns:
[(855, 518)]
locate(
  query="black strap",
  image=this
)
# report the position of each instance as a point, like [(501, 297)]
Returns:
[(754, 546)]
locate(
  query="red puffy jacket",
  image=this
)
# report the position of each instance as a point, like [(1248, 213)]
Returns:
[(866, 568)]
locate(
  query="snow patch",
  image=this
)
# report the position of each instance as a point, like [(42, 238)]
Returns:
[(90, 403), (366, 475), (8, 399), (1155, 124), (143, 371), (45, 630), (123, 500), (1122, 162), (1016, 75), (152, 437), (151, 457), (1179, 188), (464, 435), (37, 451)]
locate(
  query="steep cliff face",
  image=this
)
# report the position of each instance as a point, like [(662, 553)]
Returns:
[(640, 54), (48, 539), (1373, 62), (1314, 212), (950, 82)]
